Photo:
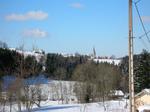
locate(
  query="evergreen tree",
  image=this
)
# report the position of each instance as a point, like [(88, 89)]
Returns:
[(31, 66), (8, 62), (142, 72)]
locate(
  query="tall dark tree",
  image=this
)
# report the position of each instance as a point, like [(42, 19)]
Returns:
[(142, 72), (9, 61), (124, 67), (31, 66)]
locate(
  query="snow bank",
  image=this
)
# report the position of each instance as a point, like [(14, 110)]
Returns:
[(110, 61)]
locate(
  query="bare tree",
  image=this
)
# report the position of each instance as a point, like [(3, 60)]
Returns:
[(26, 97), (3, 98), (3, 103), (38, 97), (61, 73), (95, 81), (85, 76), (107, 81), (32, 94)]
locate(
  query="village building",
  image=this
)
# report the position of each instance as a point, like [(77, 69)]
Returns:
[(116, 94), (142, 100)]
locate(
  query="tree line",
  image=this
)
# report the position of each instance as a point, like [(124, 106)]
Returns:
[(62, 68), (14, 63)]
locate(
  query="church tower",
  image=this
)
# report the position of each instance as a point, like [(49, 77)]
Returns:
[(94, 52)]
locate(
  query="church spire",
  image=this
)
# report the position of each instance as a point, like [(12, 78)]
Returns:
[(94, 52)]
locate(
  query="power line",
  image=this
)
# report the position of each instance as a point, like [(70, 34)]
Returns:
[(143, 42), (142, 21), (143, 35), (146, 33), (137, 1)]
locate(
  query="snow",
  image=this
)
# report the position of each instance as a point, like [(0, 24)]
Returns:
[(118, 93), (38, 54), (111, 106), (54, 103), (53, 90), (54, 106), (110, 61), (147, 90), (144, 107)]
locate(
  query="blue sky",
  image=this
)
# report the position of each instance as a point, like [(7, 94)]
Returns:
[(71, 26)]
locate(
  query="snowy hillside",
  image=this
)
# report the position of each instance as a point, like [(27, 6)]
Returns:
[(37, 53), (110, 61)]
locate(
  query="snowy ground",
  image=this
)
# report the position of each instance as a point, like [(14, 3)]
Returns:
[(53, 90), (111, 106), (54, 106)]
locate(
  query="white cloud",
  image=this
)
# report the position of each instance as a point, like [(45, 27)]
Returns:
[(77, 5), (31, 15), (37, 33), (146, 18)]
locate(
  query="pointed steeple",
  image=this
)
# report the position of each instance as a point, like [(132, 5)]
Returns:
[(94, 52)]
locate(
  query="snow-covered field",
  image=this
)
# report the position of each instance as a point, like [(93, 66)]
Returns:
[(53, 106), (55, 90), (110, 106)]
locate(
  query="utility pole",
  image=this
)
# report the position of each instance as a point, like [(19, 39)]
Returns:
[(131, 78)]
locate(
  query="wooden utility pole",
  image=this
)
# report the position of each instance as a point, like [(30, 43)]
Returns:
[(131, 78)]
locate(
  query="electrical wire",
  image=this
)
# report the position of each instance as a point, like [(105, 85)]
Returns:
[(145, 45), (146, 34), (143, 35), (137, 1)]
